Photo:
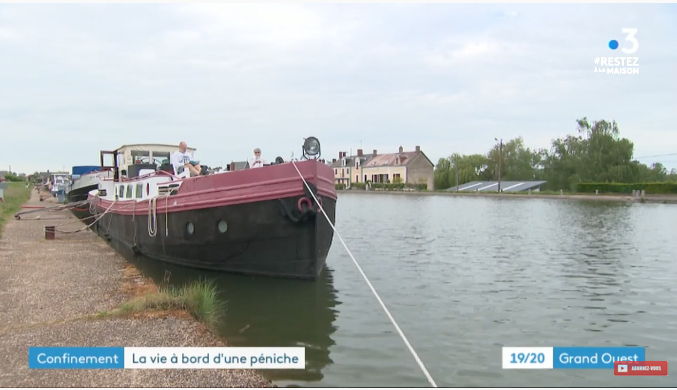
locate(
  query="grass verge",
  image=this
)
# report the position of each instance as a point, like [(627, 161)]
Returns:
[(15, 195), (200, 299)]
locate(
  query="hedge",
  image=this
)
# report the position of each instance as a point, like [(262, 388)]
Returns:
[(627, 188), (383, 186), (398, 186)]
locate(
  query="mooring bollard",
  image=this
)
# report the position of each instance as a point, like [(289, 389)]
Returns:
[(596, 192), (50, 232)]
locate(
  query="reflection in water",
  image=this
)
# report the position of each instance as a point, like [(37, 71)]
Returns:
[(598, 239), (464, 276), (267, 312)]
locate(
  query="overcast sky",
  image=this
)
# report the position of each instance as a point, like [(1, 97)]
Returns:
[(76, 79)]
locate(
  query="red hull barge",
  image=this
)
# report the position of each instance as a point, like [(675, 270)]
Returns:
[(262, 221)]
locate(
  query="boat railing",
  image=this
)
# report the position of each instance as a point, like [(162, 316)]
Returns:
[(147, 175)]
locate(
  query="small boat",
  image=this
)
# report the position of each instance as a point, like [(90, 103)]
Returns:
[(84, 178), (262, 221)]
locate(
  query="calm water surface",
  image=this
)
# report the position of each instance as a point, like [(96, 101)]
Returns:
[(464, 277)]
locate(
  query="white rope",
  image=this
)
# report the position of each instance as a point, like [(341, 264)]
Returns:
[(152, 216), (397, 327), (91, 224), (167, 215)]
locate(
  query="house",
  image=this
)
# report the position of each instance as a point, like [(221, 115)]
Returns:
[(347, 169), (406, 167), (237, 165)]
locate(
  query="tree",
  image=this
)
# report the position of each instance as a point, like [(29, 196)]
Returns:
[(595, 153)]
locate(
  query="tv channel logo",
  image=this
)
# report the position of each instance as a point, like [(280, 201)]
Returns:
[(620, 65)]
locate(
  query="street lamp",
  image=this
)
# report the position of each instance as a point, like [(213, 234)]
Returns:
[(500, 162)]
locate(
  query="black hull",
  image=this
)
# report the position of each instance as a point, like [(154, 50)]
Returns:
[(261, 238), (78, 195)]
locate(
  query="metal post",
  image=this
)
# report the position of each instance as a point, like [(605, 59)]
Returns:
[(500, 163)]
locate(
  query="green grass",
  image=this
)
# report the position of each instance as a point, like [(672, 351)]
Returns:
[(200, 299), (15, 195)]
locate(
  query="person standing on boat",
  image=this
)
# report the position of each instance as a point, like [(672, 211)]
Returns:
[(181, 160), (257, 161)]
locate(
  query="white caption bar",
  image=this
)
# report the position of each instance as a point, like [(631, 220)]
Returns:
[(527, 357), (217, 357)]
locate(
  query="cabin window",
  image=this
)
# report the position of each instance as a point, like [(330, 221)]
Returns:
[(129, 192), (160, 158), (140, 157), (139, 190), (121, 191)]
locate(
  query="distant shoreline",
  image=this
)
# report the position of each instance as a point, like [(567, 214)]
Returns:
[(653, 198)]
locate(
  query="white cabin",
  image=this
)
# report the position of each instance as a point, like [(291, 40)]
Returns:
[(140, 160), (157, 154)]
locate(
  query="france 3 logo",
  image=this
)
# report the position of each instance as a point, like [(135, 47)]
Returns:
[(620, 65)]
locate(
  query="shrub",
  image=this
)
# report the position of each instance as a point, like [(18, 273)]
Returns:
[(627, 188)]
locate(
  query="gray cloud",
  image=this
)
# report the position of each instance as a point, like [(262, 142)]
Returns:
[(77, 79)]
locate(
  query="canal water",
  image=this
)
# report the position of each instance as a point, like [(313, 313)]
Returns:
[(464, 276)]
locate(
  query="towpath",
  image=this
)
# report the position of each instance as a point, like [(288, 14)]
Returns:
[(49, 289)]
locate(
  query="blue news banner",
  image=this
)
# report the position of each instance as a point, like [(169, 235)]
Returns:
[(569, 357), (166, 357)]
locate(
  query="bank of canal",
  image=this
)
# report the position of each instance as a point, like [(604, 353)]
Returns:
[(51, 292)]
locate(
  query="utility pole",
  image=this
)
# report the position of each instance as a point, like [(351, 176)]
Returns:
[(456, 163), (500, 162)]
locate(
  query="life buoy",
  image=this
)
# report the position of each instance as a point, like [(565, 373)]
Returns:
[(302, 201)]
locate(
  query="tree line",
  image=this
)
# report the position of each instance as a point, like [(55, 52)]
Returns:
[(595, 154)]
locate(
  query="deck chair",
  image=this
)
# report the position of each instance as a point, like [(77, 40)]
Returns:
[(183, 175)]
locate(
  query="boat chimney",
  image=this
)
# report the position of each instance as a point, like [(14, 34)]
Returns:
[(359, 152)]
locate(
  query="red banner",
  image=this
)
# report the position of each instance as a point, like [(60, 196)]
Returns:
[(653, 368)]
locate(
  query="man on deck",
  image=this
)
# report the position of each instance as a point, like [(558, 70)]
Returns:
[(181, 160)]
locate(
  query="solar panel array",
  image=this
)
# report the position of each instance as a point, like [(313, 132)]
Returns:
[(492, 186)]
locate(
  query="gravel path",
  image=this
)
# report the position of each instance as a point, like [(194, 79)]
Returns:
[(48, 288)]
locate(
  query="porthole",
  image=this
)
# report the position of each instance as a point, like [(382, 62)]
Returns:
[(190, 228), (223, 226)]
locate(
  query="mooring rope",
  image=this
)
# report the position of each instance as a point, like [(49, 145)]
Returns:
[(59, 207), (152, 216), (89, 225), (397, 327)]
